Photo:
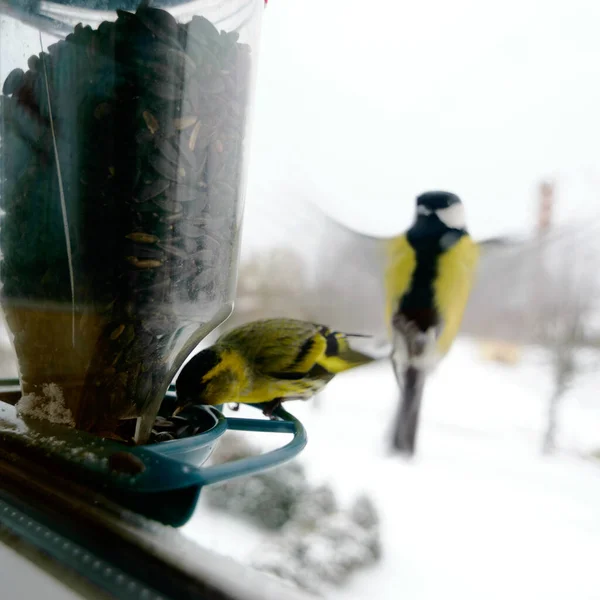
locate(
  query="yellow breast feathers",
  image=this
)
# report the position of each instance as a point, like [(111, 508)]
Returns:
[(452, 286), (401, 263)]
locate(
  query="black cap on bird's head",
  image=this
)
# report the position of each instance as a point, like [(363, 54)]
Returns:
[(191, 385), (437, 200), (445, 206)]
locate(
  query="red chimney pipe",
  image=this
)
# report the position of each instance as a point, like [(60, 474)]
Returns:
[(545, 207)]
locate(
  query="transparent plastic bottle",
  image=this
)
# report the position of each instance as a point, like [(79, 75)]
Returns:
[(124, 145)]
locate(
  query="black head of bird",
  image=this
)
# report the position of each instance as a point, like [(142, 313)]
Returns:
[(203, 380), (442, 207)]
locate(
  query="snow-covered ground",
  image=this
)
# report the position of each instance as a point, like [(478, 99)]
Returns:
[(480, 513)]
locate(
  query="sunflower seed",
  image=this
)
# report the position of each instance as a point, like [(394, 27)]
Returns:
[(152, 190), (205, 258), (167, 149), (160, 23), (167, 205), (190, 230), (205, 278), (144, 263), (194, 136), (184, 122), (117, 332), (202, 30), (167, 90), (145, 251), (166, 168), (174, 250), (142, 238), (151, 122), (13, 82)]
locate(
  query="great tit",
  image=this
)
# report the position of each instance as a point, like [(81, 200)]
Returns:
[(429, 274)]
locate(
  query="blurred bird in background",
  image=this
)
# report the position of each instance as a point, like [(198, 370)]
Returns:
[(429, 275), (266, 362)]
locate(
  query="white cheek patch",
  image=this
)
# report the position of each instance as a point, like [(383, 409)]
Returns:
[(453, 216)]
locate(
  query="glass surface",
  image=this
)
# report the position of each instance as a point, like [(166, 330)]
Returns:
[(359, 110), (123, 154)]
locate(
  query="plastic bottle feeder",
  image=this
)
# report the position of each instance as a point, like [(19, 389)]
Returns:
[(123, 154)]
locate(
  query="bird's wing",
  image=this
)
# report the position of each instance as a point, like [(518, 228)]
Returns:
[(456, 274), (349, 268), (279, 347), (292, 349), (401, 263)]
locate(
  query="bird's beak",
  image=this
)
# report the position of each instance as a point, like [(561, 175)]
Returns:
[(180, 408), (358, 335)]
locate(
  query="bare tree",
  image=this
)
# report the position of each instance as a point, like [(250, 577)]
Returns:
[(564, 286), (566, 313)]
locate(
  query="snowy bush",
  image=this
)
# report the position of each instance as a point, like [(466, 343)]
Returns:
[(326, 553), (312, 505), (318, 544), (364, 512), (268, 499)]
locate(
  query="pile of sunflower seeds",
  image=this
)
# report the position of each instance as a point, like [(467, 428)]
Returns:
[(137, 129), (195, 420)]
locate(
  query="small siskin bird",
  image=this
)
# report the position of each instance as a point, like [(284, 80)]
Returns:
[(266, 361), (429, 275)]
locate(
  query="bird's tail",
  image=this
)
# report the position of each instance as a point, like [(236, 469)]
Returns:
[(411, 383), (340, 356), (345, 360), (354, 358)]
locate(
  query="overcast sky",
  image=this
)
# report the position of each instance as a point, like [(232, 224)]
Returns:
[(362, 105)]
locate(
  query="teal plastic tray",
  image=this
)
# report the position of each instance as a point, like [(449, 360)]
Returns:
[(168, 485)]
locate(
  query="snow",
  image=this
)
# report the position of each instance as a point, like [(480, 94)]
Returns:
[(23, 579), (49, 407), (479, 513)]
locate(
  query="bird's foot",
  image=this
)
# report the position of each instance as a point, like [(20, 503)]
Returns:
[(418, 343), (404, 326), (270, 407), (414, 338)]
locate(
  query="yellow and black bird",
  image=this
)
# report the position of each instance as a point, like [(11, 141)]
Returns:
[(266, 361), (429, 274)]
